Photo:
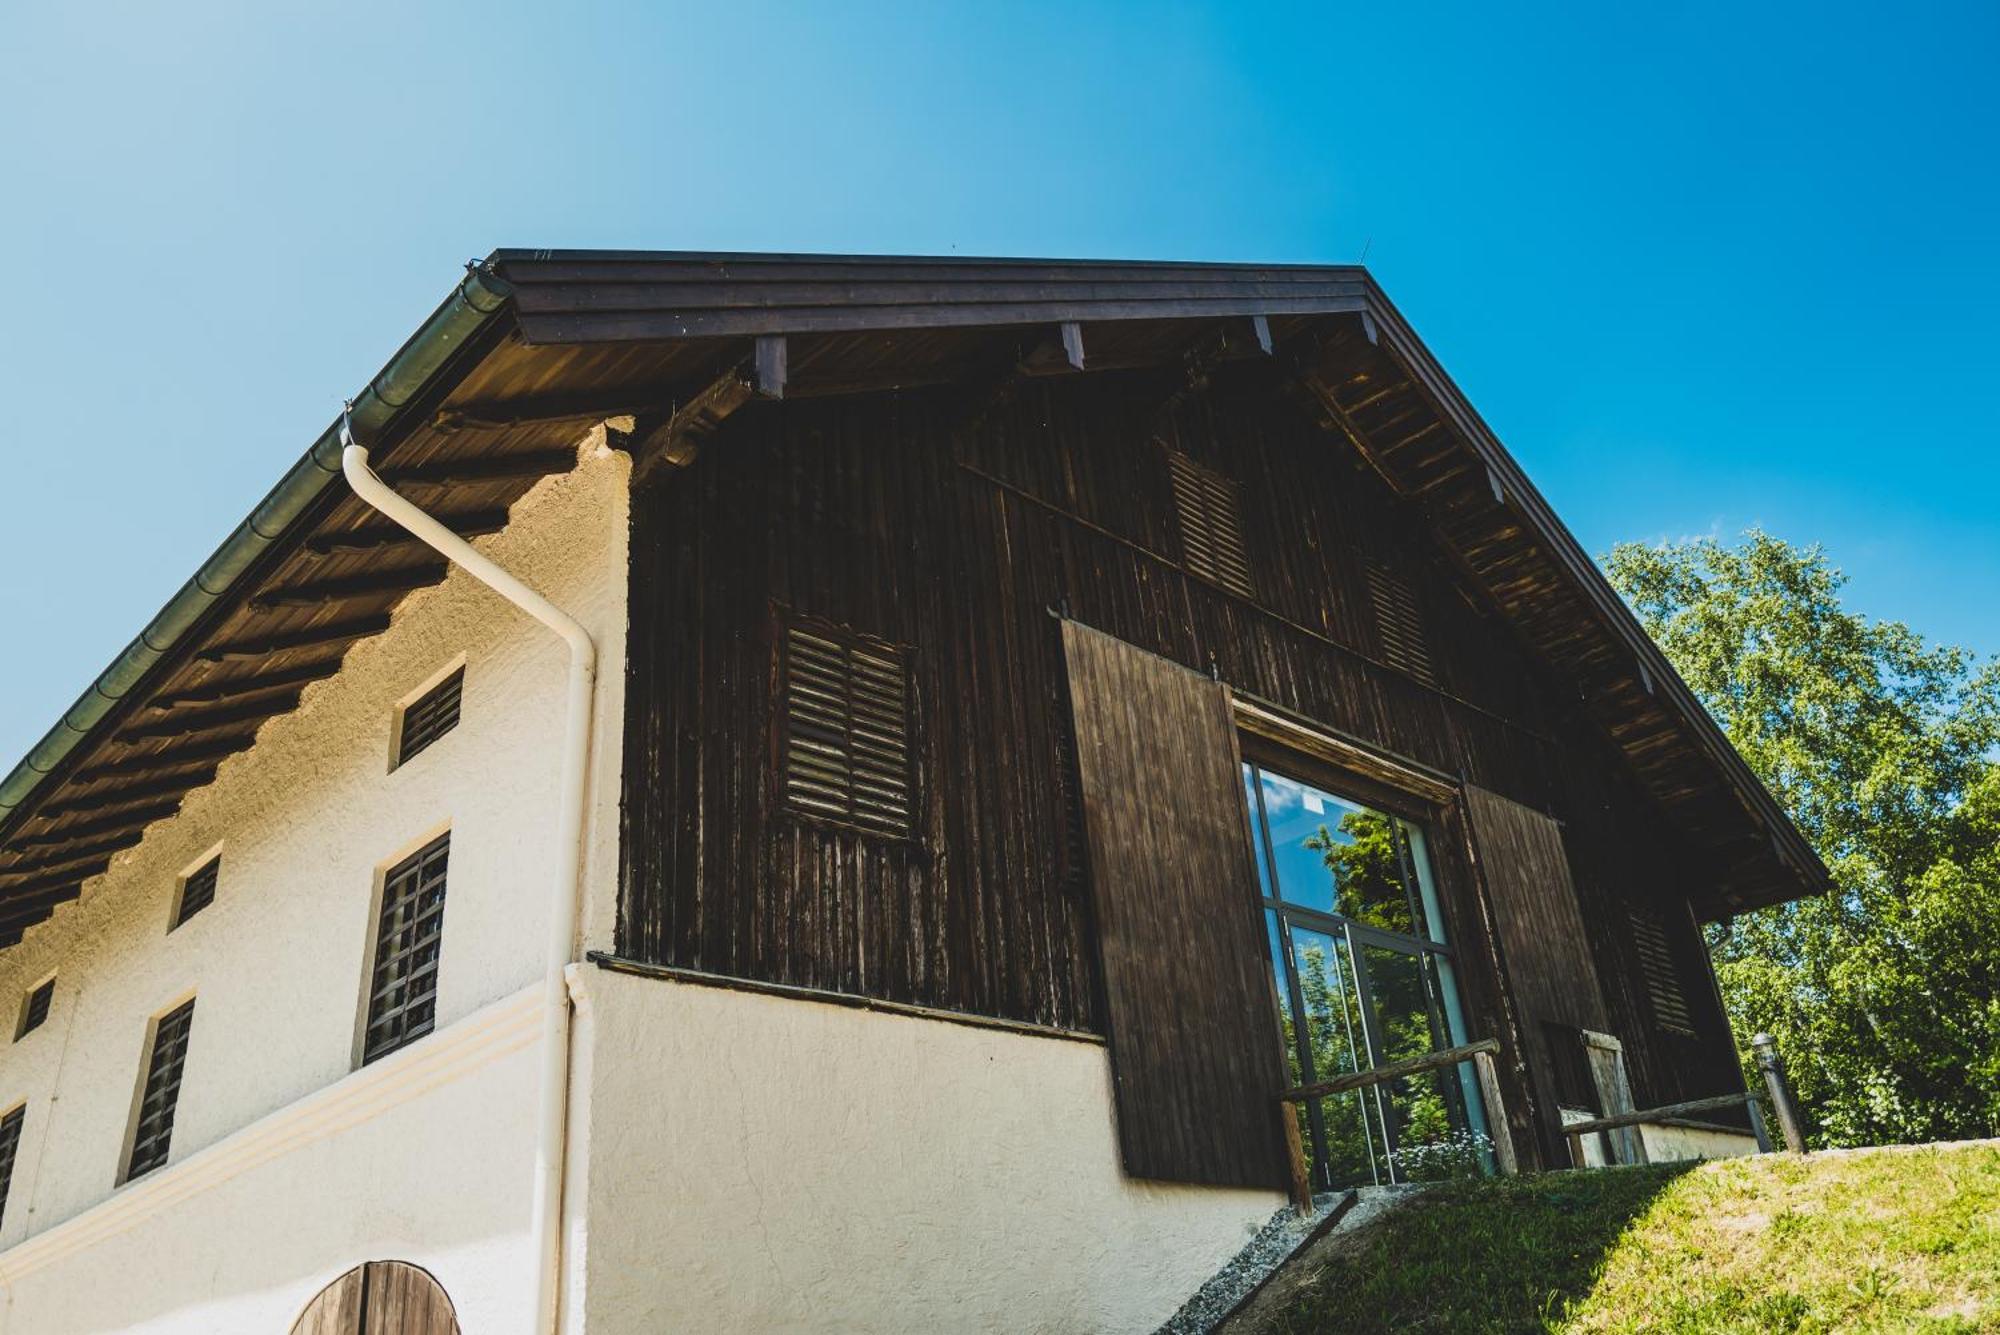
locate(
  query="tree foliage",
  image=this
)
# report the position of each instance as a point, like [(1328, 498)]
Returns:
[(1882, 746)]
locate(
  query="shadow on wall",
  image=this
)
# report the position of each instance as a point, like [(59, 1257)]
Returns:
[(1500, 1254)]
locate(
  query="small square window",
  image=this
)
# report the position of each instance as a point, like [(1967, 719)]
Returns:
[(197, 890), (153, 1127), (428, 717), (409, 930), (35, 1008)]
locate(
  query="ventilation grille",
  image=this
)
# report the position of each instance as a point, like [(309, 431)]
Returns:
[(35, 1009), (154, 1131), (402, 991), (10, 1142), (430, 717), (1211, 523), (847, 734), (1397, 623), (1656, 966), (197, 891)]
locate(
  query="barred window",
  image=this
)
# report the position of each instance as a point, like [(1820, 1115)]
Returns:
[(35, 1008), (1659, 973), (429, 717), (153, 1128), (846, 752), (1210, 515), (10, 1142), (197, 891), (402, 987)]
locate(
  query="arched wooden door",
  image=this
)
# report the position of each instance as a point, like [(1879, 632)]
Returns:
[(380, 1298)]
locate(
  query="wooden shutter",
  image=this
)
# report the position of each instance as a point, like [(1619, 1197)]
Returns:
[(1541, 928), (1549, 964), (1211, 524), (1399, 624), (1194, 1040)]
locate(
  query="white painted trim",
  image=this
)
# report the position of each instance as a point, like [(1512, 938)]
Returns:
[(478, 1040)]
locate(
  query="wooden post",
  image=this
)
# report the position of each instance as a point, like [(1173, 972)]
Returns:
[(1496, 1114), (1295, 1149), (1773, 1068)]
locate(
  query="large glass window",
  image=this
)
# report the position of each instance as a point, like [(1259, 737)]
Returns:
[(1365, 979)]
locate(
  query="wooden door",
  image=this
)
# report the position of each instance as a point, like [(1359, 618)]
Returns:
[(1195, 1049), (380, 1298)]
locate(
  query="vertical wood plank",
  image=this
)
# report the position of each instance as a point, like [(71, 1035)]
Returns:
[(1195, 1052)]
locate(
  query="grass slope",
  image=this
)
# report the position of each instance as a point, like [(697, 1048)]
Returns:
[(1869, 1240)]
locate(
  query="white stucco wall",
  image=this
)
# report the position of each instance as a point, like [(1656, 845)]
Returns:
[(767, 1163), (1670, 1143), (306, 821)]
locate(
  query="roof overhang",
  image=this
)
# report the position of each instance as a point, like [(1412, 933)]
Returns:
[(493, 391)]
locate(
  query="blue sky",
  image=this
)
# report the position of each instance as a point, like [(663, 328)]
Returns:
[(1699, 267)]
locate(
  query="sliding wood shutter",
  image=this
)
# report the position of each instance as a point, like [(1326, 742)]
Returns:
[(1541, 928), (1194, 1041)]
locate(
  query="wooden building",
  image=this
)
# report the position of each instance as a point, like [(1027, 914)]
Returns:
[(1161, 659)]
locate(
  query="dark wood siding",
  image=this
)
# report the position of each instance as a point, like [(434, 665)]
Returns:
[(1187, 984), (888, 515)]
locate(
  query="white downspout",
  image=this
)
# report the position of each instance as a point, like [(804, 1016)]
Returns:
[(551, 1132)]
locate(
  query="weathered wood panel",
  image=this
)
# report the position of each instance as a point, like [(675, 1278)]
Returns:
[(380, 1298), (1187, 985), (887, 514)]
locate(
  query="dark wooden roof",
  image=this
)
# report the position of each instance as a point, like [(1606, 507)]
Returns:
[(596, 334)]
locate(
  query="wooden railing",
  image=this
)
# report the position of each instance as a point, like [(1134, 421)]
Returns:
[(1481, 1056), (1576, 1131)]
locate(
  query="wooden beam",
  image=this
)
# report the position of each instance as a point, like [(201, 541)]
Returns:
[(173, 757), (444, 473), (228, 688), (334, 632), (375, 537), (676, 442), (100, 799), (211, 720), (75, 875), (123, 820), (317, 592), (772, 357), (62, 861), (17, 915), (1072, 343), (1260, 334)]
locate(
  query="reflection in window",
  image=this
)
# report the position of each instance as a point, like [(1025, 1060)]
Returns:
[(1363, 980)]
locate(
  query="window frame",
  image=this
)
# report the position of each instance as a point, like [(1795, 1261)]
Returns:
[(128, 1170), (13, 1124), (399, 721), (46, 986), (180, 915), (1422, 816), (411, 855)]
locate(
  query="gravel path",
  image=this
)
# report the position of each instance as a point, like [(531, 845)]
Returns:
[(1276, 1240)]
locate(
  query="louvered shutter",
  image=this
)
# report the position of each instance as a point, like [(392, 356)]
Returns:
[(846, 753)]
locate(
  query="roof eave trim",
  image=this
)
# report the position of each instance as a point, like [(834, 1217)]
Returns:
[(480, 298)]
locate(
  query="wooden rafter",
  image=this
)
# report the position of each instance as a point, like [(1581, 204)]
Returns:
[(123, 820), (173, 757), (317, 592), (381, 537), (228, 688), (334, 632), (99, 799), (213, 720), (532, 463)]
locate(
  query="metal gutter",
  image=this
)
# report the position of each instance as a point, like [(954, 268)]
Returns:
[(479, 298)]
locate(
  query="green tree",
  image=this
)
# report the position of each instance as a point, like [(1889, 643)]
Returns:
[(1883, 994)]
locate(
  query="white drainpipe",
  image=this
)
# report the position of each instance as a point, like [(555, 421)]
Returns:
[(551, 1132)]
